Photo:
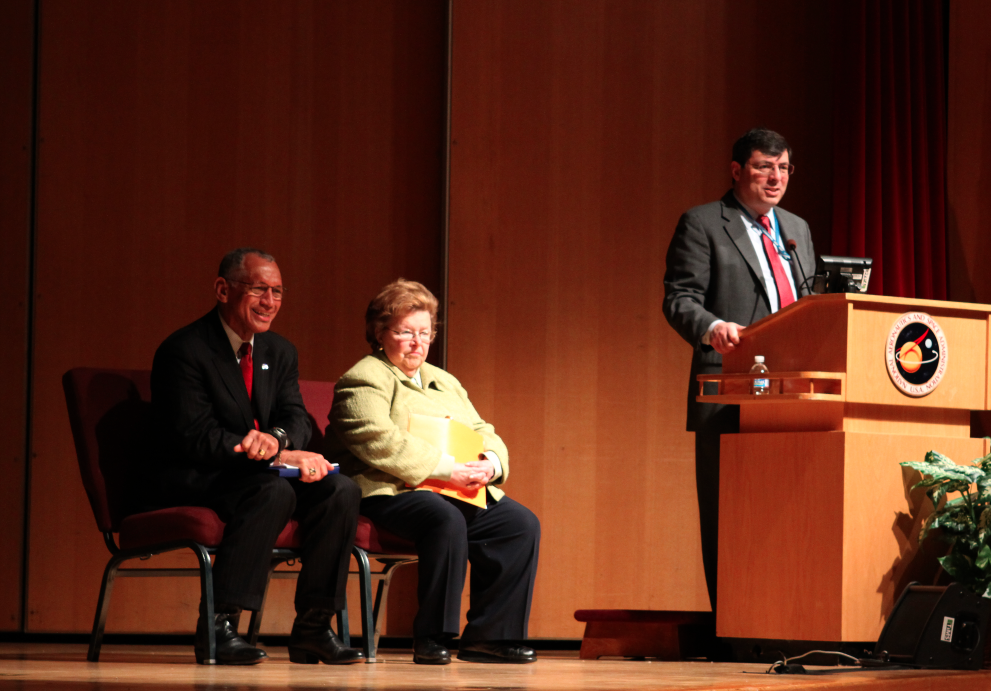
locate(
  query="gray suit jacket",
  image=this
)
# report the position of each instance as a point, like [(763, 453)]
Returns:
[(713, 273)]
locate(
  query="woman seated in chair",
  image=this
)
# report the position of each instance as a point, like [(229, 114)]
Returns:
[(372, 405)]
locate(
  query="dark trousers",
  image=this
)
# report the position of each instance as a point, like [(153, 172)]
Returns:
[(502, 542), (718, 420), (707, 488), (256, 508)]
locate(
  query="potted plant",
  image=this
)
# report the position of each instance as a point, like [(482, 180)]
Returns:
[(965, 520)]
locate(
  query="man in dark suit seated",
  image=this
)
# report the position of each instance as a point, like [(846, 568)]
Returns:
[(225, 395), (729, 265)]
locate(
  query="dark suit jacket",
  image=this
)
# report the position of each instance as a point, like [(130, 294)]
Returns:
[(202, 411), (713, 273)]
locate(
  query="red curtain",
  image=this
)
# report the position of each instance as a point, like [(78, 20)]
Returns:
[(890, 143)]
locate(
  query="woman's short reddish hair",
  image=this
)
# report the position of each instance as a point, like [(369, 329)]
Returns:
[(396, 300)]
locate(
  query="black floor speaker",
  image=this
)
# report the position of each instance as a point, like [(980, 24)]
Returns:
[(935, 627)]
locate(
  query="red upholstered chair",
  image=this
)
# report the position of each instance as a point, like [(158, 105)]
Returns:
[(110, 413), (370, 542)]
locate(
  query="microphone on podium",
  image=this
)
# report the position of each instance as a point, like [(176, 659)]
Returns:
[(791, 246)]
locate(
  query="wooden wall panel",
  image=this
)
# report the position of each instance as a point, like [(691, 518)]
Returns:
[(17, 58), (968, 175), (581, 131), (174, 131)]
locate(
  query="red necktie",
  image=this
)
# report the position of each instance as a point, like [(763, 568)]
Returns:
[(786, 295), (247, 370), (247, 366)]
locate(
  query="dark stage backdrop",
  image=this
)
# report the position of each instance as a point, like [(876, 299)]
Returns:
[(890, 149), (968, 162), (16, 76)]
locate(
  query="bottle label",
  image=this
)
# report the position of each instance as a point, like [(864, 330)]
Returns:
[(761, 383)]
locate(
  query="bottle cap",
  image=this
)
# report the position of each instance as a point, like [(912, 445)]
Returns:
[(758, 358)]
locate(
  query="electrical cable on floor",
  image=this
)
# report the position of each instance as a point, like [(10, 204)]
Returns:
[(786, 667)]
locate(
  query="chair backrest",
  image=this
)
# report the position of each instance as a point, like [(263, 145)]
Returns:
[(318, 396), (110, 415)]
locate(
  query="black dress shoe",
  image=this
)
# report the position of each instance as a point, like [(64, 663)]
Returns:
[(312, 641), (499, 652), (231, 648), (430, 651)]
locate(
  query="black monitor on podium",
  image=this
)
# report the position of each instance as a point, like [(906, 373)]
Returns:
[(841, 274)]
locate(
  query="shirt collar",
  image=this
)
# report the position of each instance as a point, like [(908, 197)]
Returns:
[(235, 340), (417, 377), (752, 215)]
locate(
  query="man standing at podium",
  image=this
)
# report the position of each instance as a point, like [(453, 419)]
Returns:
[(730, 263)]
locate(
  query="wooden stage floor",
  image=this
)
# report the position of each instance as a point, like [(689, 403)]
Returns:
[(63, 667)]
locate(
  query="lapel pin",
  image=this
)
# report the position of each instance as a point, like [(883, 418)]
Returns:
[(264, 366)]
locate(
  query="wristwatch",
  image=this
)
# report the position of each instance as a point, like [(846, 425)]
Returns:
[(282, 438)]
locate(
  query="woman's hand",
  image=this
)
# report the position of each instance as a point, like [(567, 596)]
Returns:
[(312, 466), (467, 477), (485, 465)]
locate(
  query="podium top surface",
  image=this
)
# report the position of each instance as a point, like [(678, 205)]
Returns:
[(863, 336), (879, 302)]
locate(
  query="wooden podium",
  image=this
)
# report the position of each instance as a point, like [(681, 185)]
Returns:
[(817, 527)]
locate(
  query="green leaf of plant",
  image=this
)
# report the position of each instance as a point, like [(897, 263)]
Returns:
[(926, 527), (957, 565), (982, 525), (962, 473), (963, 521), (954, 522), (923, 467), (943, 472), (935, 457), (984, 558), (984, 461), (984, 487), (936, 494), (957, 502)]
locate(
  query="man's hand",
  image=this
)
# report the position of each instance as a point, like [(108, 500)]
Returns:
[(312, 466), (725, 337), (466, 477), (258, 446)]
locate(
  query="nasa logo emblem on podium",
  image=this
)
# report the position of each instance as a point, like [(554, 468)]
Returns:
[(916, 354)]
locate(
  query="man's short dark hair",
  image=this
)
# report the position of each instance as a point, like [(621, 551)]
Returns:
[(759, 139), (232, 265)]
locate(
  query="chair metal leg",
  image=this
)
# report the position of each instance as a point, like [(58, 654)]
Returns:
[(367, 611), (110, 574), (255, 624), (207, 604), (382, 594), (343, 625), (103, 608), (381, 587)]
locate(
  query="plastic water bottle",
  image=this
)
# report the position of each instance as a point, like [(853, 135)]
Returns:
[(760, 384)]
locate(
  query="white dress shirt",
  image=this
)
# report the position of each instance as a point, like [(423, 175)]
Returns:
[(755, 231)]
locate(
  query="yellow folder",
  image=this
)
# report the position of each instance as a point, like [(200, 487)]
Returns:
[(455, 439)]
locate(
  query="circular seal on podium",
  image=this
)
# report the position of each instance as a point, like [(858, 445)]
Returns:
[(916, 354)]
